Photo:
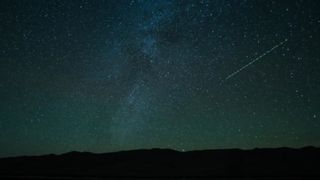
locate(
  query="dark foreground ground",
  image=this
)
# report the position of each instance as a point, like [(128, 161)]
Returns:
[(281, 163)]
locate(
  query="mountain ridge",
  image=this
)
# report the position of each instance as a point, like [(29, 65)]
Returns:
[(258, 162)]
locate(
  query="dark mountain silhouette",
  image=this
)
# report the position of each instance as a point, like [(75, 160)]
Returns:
[(279, 162)]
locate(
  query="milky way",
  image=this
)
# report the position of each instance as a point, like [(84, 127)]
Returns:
[(105, 76)]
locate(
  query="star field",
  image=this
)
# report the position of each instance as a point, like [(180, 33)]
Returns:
[(105, 76)]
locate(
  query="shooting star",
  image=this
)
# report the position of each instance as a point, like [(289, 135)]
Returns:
[(256, 59)]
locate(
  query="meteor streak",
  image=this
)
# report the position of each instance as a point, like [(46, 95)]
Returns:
[(256, 59)]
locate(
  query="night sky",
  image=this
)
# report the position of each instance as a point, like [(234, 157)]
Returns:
[(110, 75)]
